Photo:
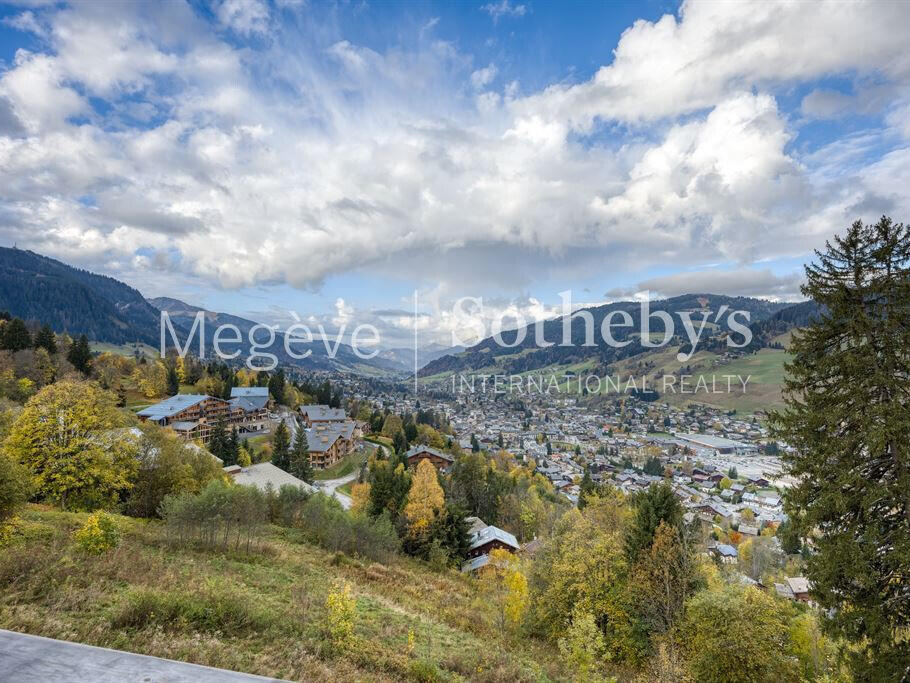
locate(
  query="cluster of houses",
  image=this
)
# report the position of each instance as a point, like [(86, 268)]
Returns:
[(194, 416), (331, 434)]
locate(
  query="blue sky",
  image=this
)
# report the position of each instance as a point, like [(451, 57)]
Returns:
[(331, 158)]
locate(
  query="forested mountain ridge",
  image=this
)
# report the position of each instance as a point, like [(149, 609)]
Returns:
[(527, 355), (39, 289)]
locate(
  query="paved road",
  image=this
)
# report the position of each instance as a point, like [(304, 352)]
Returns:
[(330, 488), (33, 659)]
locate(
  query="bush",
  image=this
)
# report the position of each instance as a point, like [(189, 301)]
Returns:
[(219, 516), (98, 535), (222, 612), (13, 487), (326, 524), (286, 505), (341, 608)]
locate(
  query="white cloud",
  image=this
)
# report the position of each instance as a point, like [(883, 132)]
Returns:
[(297, 160), (244, 16), (751, 282), (483, 77), (504, 8), (677, 66)]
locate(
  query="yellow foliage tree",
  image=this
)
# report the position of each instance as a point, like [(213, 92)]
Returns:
[(360, 497), (425, 499), (151, 378), (505, 586), (67, 437)]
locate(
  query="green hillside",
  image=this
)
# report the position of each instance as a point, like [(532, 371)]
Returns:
[(262, 612)]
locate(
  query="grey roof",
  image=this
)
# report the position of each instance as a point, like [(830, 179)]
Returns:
[(414, 450), (798, 584), (172, 406), (266, 473), (493, 533), (249, 404), (475, 563), (727, 550), (184, 426), (249, 392), (322, 413)]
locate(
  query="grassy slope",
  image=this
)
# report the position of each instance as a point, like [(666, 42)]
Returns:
[(261, 613), (348, 464)]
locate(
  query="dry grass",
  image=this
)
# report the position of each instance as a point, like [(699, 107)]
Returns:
[(262, 613)]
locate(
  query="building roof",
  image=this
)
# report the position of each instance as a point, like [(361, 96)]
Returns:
[(323, 413), (417, 450), (249, 404), (726, 550), (798, 584), (183, 426), (493, 533), (249, 392), (475, 563), (172, 406), (265, 473)]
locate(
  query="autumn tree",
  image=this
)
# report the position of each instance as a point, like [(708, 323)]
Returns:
[(504, 585), (847, 417), (166, 465), (68, 438), (425, 499), (734, 633)]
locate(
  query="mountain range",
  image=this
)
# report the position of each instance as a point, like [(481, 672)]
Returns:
[(70, 300), (39, 289)]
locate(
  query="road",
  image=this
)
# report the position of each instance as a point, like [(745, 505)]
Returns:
[(330, 486), (33, 659)]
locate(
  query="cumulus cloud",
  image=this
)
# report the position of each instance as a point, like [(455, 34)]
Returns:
[(285, 160), (750, 282)]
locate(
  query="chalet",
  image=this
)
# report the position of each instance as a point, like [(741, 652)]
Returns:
[(799, 587), (192, 416), (490, 538), (441, 461), (726, 553), (319, 414), (250, 408)]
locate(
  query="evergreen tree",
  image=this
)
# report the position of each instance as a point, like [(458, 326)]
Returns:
[(475, 444), (847, 417), (80, 356), (400, 441), (654, 505), (587, 488), (218, 440), (277, 385), (499, 441), (45, 339), (301, 467), (232, 448), (281, 447), (15, 336), (173, 383)]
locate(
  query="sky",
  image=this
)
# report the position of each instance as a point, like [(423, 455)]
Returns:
[(330, 161)]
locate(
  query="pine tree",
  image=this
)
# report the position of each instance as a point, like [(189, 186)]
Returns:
[(173, 382), (277, 385), (281, 443), (301, 467), (80, 356), (218, 439), (45, 339), (232, 448), (587, 488), (847, 417), (654, 505), (15, 336)]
